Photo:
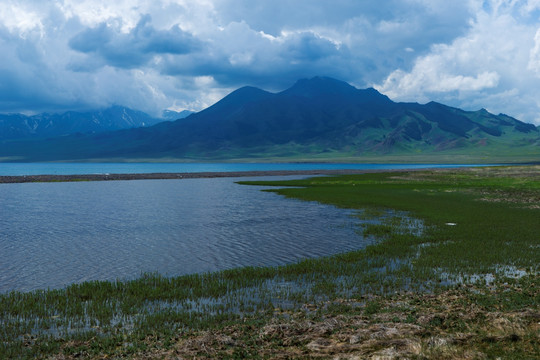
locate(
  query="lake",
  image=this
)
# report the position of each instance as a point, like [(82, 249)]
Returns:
[(54, 234), (134, 168)]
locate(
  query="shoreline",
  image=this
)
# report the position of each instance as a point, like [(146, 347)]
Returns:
[(341, 306), (479, 303), (11, 179)]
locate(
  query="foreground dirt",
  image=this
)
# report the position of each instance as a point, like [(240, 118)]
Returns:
[(442, 326), (447, 325)]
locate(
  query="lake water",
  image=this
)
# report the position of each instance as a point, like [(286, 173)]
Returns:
[(132, 168), (54, 234)]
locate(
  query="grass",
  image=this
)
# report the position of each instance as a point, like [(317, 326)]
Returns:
[(512, 150), (452, 272)]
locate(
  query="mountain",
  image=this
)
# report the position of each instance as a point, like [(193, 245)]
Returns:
[(15, 126), (171, 115), (318, 118)]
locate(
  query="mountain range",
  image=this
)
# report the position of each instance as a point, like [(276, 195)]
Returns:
[(318, 118), (18, 126)]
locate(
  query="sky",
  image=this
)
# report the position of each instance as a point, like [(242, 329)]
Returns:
[(151, 55)]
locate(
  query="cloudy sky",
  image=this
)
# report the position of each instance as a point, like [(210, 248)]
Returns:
[(150, 55)]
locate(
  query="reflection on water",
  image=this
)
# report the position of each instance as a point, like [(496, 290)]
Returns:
[(53, 234)]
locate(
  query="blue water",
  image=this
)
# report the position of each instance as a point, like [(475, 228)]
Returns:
[(133, 168), (55, 234)]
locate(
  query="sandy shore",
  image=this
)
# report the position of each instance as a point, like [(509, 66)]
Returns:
[(194, 175)]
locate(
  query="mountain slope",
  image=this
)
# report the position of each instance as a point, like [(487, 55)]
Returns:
[(71, 122), (332, 115), (317, 118)]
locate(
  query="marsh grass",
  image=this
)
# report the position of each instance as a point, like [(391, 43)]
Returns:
[(432, 231)]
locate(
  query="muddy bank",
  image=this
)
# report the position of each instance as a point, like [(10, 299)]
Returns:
[(165, 176), (447, 325)]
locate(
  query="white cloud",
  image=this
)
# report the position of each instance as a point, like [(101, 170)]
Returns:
[(19, 18), (534, 57), (427, 79), (498, 58)]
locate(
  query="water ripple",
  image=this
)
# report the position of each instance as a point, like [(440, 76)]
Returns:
[(55, 234)]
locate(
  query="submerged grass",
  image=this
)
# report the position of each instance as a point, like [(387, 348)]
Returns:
[(453, 272)]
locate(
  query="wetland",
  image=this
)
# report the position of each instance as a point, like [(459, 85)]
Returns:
[(451, 272)]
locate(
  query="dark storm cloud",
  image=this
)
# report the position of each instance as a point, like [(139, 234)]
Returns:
[(135, 48), (244, 56), (309, 47)]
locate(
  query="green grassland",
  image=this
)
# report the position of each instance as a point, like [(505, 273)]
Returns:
[(513, 147), (452, 272)]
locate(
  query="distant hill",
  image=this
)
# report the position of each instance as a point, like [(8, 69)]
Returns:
[(171, 115), (16, 126), (318, 118)]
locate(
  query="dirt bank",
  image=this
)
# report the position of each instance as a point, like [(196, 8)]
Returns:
[(194, 175)]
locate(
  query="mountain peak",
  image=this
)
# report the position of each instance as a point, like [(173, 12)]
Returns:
[(236, 99), (322, 80), (320, 86), (326, 88), (171, 115), (249, 91)]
